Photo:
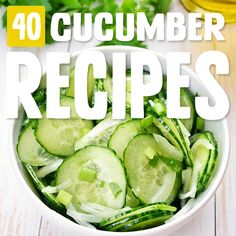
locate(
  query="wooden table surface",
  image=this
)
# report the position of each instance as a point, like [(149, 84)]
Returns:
[(19, 217)]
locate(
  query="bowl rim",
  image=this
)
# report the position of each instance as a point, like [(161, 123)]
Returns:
[(180, 221)]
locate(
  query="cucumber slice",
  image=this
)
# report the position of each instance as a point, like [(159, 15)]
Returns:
[(145, 222), (91, 82), (140, 221), (124, 133), (186, 100), (30, 151), (58, 136), (48, 198), (171, 129), (150, 183), (181, 137), (211, 163), (186, 179), (136, 212), (166, 132), (85, 188)]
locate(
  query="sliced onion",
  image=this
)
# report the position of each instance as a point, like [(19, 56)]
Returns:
[(46, 170), (56, 189), (78, 218), (99, 210)]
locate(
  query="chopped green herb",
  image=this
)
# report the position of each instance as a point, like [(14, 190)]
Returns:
[(102, 184), (159, 107), (115, 188), (39, 96), (88, 175), (64, 198)]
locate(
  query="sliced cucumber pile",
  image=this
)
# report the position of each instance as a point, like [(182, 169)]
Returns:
[(172, 129), (186, 100), (138, 218), (118, 175)]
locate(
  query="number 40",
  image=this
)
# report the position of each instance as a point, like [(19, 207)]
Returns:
[(26, 25)]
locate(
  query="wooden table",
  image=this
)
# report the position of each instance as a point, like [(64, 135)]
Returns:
[(19, 217)]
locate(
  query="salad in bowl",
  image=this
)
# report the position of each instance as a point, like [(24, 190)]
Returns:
[(122, 175)]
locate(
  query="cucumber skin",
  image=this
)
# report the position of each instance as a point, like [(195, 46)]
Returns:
[(134, 201), (202, 184), (186, 92), (181, 144), (120, 216), (109, 143), (138, 129), (132, 226), (48, 199), (208, 169), (176, 188), (186, 146), (139, 221), (32, 123)]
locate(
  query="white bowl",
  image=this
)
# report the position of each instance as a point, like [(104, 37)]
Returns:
[(219, 128)]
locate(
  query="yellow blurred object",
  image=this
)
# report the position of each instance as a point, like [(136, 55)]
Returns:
[(225, 7)]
